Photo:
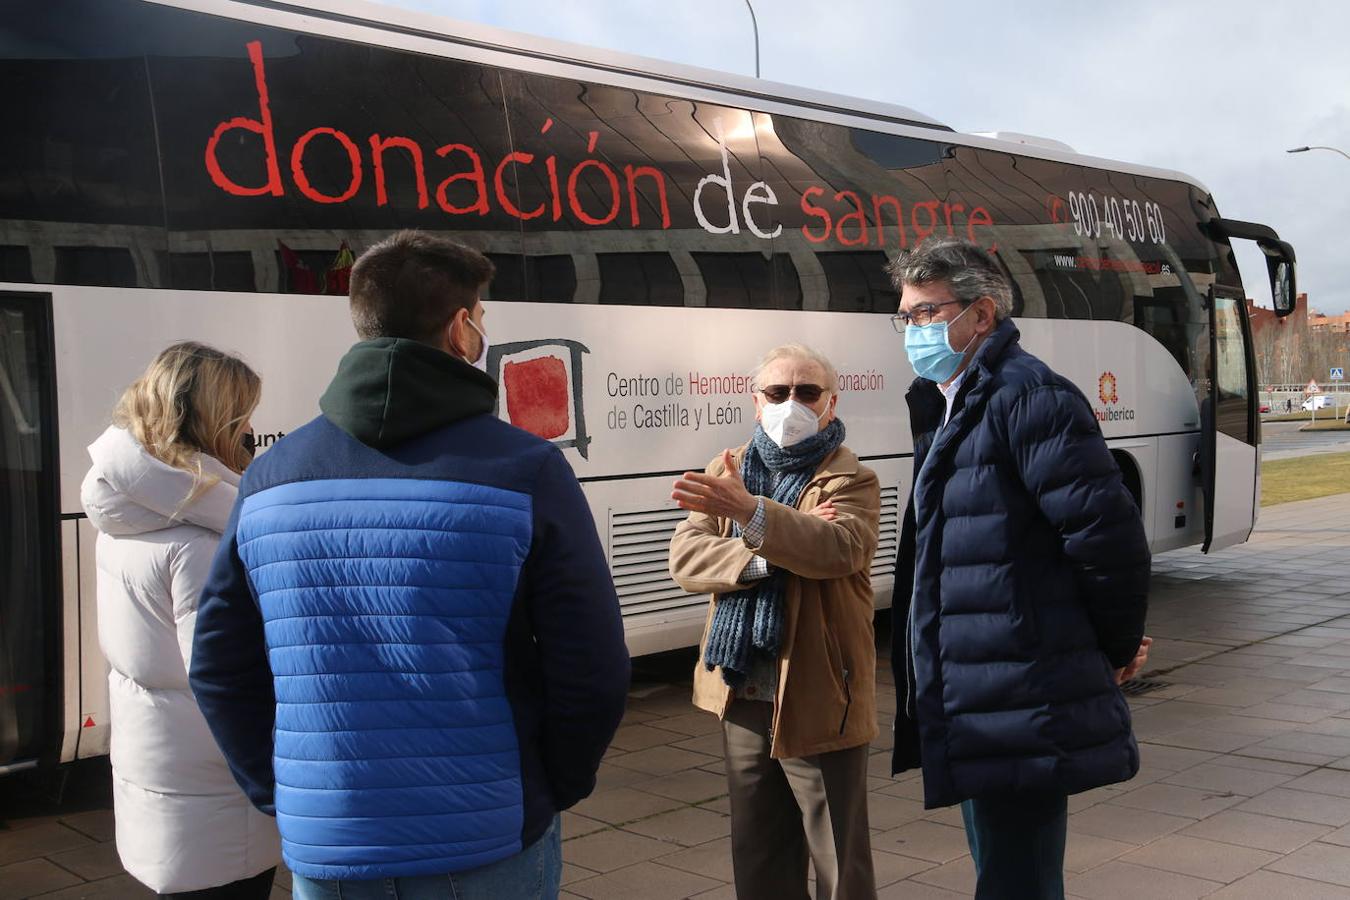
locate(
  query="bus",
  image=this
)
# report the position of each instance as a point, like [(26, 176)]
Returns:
[(208, 169)]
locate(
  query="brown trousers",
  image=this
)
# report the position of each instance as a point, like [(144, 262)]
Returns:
[(785, 812)]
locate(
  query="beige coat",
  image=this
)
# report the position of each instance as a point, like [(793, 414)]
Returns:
[(827, 674)]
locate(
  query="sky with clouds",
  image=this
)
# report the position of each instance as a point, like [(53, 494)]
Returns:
[(1216, 89)]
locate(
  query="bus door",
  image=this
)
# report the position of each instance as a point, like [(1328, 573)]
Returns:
[(30, 610), (1230, 432), (1230, 426)]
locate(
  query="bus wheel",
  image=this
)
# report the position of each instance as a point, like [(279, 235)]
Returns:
[(1129, 473)]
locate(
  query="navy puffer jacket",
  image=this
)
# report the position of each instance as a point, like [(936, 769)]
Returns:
[(1030, 573)]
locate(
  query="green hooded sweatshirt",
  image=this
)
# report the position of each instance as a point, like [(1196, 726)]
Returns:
[(391, 390)]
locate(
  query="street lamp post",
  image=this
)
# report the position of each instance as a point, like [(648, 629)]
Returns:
[(1347, 156), (755, 25), (1306, 149)]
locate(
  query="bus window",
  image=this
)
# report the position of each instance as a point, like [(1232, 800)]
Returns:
[(858, 282), (16, 264), (615, 172), (1232, 388), (545, 279), (210, 271), (508, 281), (1168, 317), (304, 271), (102, 266), (844, 191), (750, 280), (1071, 291), (550, 279), (895, 153), (359, 141), (29, 596), (79, 147), (640, 279)]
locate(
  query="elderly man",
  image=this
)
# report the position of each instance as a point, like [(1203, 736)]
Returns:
[(1029, 569), (782, 533)]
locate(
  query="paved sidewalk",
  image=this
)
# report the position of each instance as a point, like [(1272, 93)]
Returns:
[(1244, 792)]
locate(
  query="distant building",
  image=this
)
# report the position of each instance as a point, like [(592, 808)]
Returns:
[(1320, 322), (1262, 317)]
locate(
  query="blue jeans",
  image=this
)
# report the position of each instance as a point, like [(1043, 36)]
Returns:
[(534, 873), (1017, 841)]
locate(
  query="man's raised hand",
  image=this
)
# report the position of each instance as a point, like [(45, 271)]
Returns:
[(722, 496)]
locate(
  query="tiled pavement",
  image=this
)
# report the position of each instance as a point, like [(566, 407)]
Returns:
[(1244, 792)]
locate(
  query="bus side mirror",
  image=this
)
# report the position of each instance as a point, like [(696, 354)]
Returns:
[(1283, 287), (1279, 257)]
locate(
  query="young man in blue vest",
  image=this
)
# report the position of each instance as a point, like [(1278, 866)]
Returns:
[(410, 649), (1029, 568)]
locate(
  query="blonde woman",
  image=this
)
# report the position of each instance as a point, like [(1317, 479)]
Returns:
[(164, 480)]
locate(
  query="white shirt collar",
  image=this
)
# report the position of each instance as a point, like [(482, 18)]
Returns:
[(950, 391)]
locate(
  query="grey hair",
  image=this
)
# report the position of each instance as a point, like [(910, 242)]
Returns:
[(963, 266), (798, 351)]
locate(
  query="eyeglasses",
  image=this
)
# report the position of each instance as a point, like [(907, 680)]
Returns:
[(806, 393), (919, 315)]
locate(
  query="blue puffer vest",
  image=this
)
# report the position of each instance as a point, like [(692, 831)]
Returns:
[(1030, 567), (409, 648), (387, 655)]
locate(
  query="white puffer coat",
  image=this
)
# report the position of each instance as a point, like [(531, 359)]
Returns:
[(182, 822)]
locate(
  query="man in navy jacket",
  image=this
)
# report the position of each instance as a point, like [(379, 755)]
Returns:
[(1029, 567), (410, 649)]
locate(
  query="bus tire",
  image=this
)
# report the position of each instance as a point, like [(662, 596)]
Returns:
[(1129, 473)]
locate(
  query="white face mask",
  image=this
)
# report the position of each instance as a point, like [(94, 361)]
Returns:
[(789, 422), (481, 362)]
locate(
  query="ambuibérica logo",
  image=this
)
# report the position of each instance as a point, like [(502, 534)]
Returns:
[(1106, 388), (1108, 391)]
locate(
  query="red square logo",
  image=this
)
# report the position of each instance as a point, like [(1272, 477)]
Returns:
[(537, 393)]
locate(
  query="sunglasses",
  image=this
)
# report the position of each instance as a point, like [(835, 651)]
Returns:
[(806, 393)]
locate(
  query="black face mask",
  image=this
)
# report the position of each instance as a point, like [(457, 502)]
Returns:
[(250, 442)]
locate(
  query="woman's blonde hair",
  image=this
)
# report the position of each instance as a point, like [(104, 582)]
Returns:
[(192, 399)]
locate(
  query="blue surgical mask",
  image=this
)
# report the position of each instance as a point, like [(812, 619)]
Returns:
[(930, 354)]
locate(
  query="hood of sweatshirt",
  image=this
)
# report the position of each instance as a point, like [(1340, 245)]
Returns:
[(390, 390)]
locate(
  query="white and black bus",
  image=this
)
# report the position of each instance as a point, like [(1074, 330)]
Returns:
[(205, 169)]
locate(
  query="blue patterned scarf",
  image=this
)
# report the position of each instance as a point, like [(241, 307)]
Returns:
[(750, 621)]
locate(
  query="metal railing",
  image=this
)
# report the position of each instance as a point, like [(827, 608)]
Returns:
[(1326, 387)]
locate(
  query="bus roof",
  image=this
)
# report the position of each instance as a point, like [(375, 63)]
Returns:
[(440, 28)]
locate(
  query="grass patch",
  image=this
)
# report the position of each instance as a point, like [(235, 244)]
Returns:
[(1304, 477)]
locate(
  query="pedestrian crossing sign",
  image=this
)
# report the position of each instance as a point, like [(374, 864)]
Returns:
[(1338, 373)]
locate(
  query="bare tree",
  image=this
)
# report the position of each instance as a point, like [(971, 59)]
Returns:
[(1264, 344), (1325, 350)]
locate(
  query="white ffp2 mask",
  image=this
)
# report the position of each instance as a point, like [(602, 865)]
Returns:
[(481, 362), (789, 422)]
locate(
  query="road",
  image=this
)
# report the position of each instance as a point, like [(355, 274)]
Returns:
[(1281, 440)]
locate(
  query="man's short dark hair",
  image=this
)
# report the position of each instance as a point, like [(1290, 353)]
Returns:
[(410, 284), (965, 267)]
